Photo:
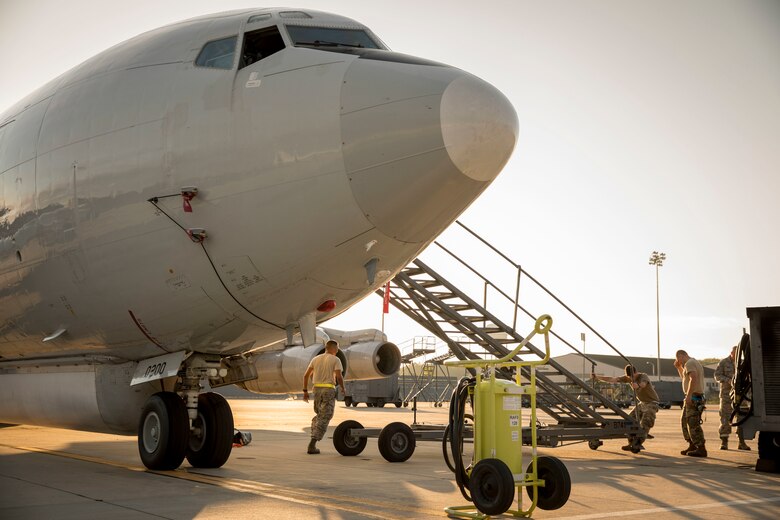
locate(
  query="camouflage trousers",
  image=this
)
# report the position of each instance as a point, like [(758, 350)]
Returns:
[(726, 409), (324, 406), (691, 424), (645, 414)]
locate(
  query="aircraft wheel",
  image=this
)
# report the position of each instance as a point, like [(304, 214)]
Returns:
[(163, 431), (396, 442), (492, 486), (211, 438), (348, 445), (557, 483)]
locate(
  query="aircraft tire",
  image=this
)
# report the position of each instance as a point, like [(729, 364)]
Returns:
[(396, 442), (211, 447), (557, 483), (492, 486), (163, 431)]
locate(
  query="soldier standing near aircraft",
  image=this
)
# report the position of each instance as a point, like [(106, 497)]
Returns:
[(724, 375), (647, 407), (326, 372), (692, 375)]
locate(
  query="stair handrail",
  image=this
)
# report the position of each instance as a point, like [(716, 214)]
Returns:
[(514, 302), (545, 289)]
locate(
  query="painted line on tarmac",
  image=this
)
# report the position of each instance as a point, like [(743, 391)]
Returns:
[(708, 505), (307, 497)]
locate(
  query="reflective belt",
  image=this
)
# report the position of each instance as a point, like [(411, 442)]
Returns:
[(324, 385)]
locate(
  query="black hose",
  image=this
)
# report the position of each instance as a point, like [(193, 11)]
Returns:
[(455, 433), (446, 438), (742, 390)]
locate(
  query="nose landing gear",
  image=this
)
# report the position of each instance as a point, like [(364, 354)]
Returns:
[(187, 423), (165, 437)]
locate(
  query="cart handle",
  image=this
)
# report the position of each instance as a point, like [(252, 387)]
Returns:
[(542, 326)]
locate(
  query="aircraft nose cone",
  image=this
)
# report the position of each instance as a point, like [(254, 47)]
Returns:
[(478, 126), (420, 142)]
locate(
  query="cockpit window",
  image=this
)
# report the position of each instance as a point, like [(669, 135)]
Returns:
[(328, 38), (260, 44), (217, 54)]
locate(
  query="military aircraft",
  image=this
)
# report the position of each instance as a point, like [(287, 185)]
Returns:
[(187, 206)]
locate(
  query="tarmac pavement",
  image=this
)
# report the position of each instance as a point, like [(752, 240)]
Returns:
[(53, 473)]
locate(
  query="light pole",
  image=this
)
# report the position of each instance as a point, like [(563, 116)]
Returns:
[(657, 259)]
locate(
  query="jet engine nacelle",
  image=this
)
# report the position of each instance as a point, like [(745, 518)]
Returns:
[(281, 372), (372, 360)]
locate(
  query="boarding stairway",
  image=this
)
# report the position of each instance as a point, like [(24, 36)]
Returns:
[(577, 411)]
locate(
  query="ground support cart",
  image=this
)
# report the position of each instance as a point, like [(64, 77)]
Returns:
[(496, 469), (397, 440)]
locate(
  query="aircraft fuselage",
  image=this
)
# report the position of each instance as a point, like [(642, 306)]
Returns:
[(308, 164)]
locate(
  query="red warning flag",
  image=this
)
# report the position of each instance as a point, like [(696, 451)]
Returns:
[(386, 302)]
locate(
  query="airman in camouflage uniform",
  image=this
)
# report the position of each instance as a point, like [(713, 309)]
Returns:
[(325, 371), (645, 410), (724, 375), (692, 375)]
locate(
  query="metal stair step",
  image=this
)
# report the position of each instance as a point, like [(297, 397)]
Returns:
[(444, 295)]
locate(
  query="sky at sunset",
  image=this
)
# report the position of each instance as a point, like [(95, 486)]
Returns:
[(643, 126)]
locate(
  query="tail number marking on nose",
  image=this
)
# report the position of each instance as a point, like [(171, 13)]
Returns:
[(154, 370), (158, 367)]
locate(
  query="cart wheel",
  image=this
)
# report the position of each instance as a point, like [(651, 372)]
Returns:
[(406, 404), (347, 400), (594, 444), (354, 404), (380, 404), (769, 445), (557, 483), (348, 445), (492, 486), (396, 442), (397, 404)]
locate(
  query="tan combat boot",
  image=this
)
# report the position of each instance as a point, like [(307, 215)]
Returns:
[(743, 445), (691, 447), (724, 443), (312, 449)]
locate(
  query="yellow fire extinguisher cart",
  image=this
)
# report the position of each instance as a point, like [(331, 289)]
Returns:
[(497, 469)]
